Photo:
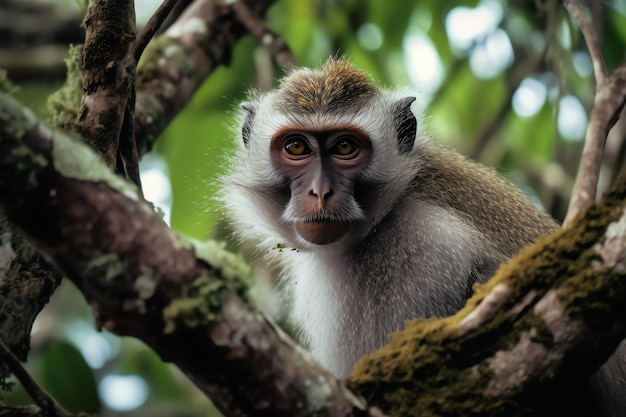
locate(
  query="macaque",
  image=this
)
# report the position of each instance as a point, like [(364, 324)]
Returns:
[(370, 223)]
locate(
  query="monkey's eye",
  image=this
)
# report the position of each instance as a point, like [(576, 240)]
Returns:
[(345, 147), (297, 147)]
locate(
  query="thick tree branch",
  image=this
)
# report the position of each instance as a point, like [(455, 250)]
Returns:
[(107, 76), (107, 112), (139, 277), (177, 62), (26, 282)]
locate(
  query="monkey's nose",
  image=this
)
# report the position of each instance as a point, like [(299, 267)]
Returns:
[(322, 194), (321, 188)]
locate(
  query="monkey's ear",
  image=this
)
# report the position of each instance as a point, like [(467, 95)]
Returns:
[(406, 124), (247, 123)]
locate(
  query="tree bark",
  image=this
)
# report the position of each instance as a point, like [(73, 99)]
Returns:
[(142, 280)]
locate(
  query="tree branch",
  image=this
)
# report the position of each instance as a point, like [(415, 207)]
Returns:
[(608, 102), (107, 76), (141, 280), (256, 27), (591, 38), (177, 62), (560, 304), (48, 406), (26, 282), (148, 31)]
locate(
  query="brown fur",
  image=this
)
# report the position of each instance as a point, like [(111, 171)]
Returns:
[(454, 181), (338, 86)]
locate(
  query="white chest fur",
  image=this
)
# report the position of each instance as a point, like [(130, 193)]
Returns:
[(346, 303)]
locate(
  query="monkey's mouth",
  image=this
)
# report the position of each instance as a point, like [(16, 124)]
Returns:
[(322, 231)]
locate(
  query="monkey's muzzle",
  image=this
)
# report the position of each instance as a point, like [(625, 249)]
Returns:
[(322, 232)]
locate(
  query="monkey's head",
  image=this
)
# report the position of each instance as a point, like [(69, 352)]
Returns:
[(323, 157)]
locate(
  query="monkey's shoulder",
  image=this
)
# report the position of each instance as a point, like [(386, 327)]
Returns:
[(495, 207)]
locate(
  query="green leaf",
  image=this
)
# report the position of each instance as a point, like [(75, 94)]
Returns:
[(65, 374)]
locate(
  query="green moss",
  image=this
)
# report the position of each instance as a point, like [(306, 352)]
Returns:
[(230, 266), (592, 293), (64, 104), (109, 275), (148, 67), (6, 86), (15, 122), (200, 305), (413, 375), (431, 369), (75, 159), (202, 301)]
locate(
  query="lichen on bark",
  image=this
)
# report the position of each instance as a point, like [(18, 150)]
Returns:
[(202, 302)]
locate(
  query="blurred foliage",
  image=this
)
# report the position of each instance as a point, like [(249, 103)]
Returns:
[(468, 111), (462, 108)]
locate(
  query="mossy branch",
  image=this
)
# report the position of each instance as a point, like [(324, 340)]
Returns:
[(529, 338)]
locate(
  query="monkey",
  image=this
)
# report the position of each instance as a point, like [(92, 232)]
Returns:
[(337, 181)]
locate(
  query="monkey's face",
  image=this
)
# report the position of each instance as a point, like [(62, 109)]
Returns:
[(323, 159), (320, 168)]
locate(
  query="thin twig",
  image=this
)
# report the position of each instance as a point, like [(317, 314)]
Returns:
[(591, 39), (39, 396), (273, 42), (585, 187), (608, 104), (148, 31), (128, 156)]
